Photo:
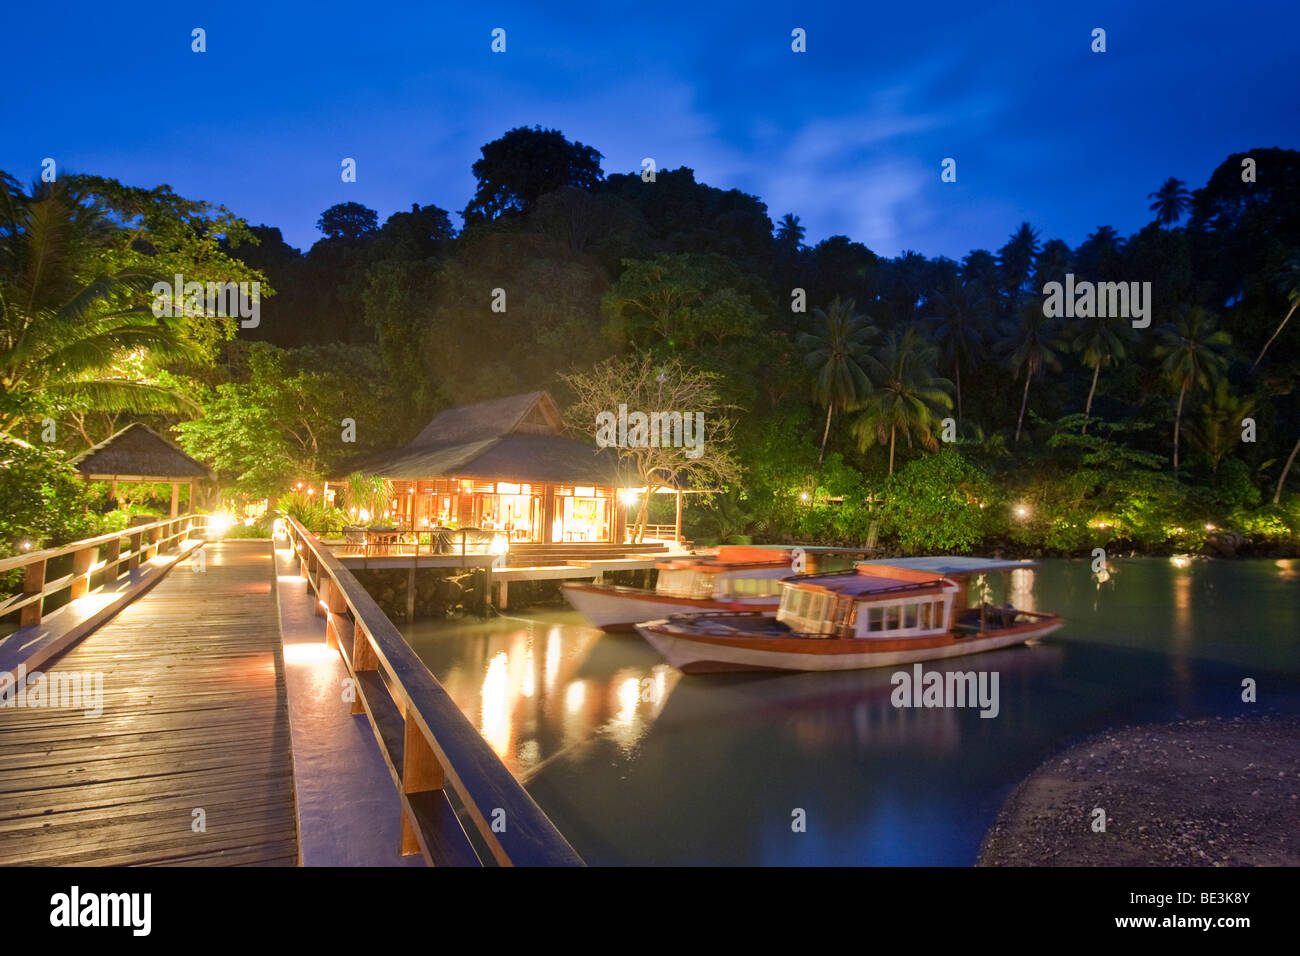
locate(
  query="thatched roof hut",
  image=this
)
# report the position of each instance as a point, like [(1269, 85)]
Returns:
[(138, 453)]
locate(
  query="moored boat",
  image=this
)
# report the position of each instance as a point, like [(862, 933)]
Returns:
[(734, 579), (877, 615)]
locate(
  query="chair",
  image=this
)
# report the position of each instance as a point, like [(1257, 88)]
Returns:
[(354, 539)]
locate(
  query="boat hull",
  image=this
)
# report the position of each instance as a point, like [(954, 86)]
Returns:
[(619, 609), (696, 654)]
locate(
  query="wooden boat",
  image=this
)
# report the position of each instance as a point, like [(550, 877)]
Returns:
[(734, 579), (877, 615)]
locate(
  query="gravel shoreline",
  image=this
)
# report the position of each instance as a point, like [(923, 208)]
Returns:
[(1221, 792)]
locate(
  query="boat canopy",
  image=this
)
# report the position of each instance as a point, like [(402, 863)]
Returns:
[(948, 564)]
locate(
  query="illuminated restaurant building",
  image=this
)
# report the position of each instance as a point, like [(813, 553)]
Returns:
[(508, 465)]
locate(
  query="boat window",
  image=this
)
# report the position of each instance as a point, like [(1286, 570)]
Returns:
[(938, 614), (909, 615), (798, 605), (923, 616), (875, 618), (892, 617), (669, 581)]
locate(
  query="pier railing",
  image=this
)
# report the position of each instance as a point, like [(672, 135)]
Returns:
[(460, 805), (105, 555)]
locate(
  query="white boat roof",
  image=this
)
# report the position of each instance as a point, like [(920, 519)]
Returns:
[(952, 564)]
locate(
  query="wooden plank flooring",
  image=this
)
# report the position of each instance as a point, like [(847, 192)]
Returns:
[(194, 716)]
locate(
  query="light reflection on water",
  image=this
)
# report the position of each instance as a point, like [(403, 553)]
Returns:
[(637, 763)]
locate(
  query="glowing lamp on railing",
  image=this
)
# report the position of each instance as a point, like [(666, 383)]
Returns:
[(629, 496), (500, 544), (364, 515), (219, 523)]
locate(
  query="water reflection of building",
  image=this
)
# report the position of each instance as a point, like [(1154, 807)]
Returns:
[(1022, 589), (527, 692)]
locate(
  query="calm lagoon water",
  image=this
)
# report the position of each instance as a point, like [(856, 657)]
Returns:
[(637, 763)]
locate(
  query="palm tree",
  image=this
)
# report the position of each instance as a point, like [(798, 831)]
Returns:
[(1221, 419), (1098, 256), (1052, 263), (1033, 349), (72, 326), (1171, 201), (1016, 258), (1191, 351), (789, 233), (836, 354), (1101, 346), (1289, 281), (957, 327), (909, 396)]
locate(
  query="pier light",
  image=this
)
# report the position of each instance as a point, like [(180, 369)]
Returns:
[(219, 522), (803, 496), (1022, 511), (629, 496), (25, 544), (500, 544), (1181, 561), (364, 515), (1209, 527)]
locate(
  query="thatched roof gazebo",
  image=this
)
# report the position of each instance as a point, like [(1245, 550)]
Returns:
[(138, 453)]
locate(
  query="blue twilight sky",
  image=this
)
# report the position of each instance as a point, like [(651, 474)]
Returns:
[(849, 136)]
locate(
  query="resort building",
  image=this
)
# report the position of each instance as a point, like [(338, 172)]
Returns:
[(508, 465)]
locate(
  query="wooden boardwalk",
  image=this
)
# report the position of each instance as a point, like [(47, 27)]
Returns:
[(194, 717)]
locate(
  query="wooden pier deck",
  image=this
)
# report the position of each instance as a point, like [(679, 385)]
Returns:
[(194, 717)]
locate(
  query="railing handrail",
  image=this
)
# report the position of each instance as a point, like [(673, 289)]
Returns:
[(22, 560), (143, 541), (469, 766)]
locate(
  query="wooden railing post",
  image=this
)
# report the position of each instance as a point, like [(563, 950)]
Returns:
[(338, 625), (421, 772), (364, 658), (33, 583), (322, 593), (112, 566), (81, 561), (134, 562)]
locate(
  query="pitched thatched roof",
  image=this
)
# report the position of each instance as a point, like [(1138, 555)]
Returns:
[(139, 452), (518, 438), (533, 412)]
